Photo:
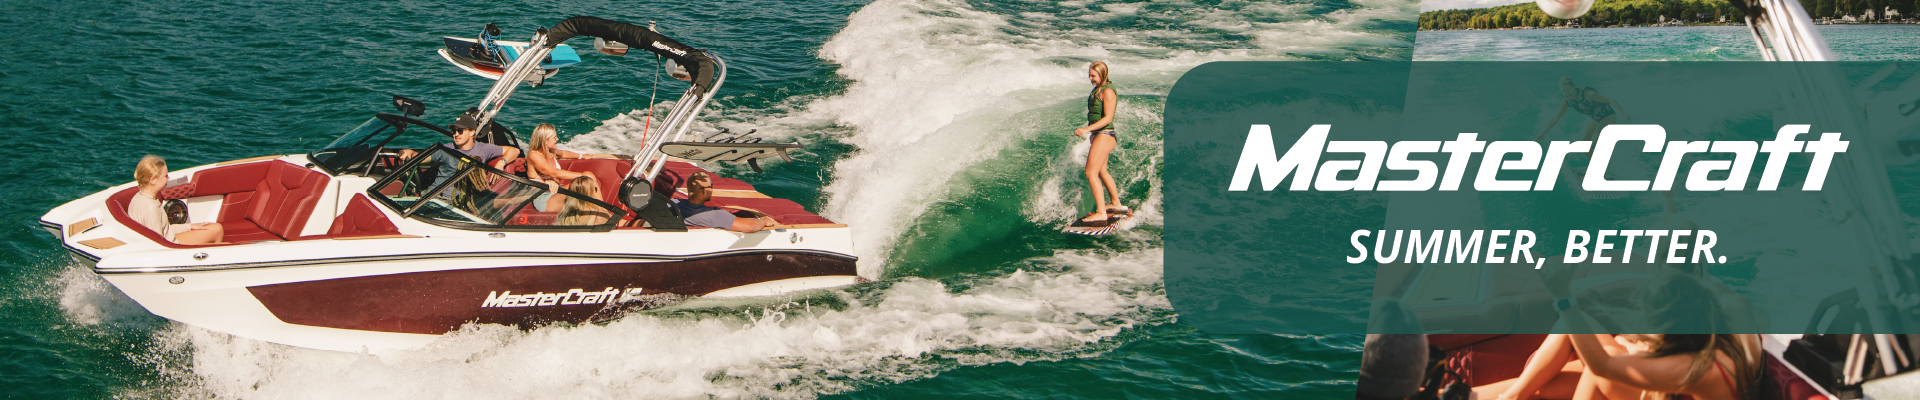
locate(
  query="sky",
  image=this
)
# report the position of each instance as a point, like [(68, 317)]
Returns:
[(1436, 5)]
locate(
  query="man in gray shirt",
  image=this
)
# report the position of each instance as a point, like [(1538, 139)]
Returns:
[(464, 130)]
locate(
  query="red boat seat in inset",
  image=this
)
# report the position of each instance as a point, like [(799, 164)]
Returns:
[(1484, 359), (1782, 384)]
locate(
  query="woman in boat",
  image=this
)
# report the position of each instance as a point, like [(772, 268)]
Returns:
[(1100, 106), (1550, 375), (543, 163), (1586, 101), (1704, 366), (146, 209), (576, 212)]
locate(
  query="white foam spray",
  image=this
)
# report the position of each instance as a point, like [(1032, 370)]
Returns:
[(88, 300), (1059, 307), (922, 69)]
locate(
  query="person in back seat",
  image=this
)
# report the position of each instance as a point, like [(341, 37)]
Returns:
[(697, 213), (145, 208), (576, 212), (543, 162)]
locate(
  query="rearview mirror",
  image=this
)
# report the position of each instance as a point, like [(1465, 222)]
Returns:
[(410, 107)]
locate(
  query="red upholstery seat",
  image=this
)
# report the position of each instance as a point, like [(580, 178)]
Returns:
[(1781, 383), (783, 211), (285, 199), (608, 172), (361, 218), (1484, 359), (517, 167), (268, 200), (533, 217)]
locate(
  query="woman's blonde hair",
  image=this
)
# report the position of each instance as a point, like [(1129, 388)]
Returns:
[(150, 166), (576, 212), (540, 135), (1676, 302), (1100, 67)]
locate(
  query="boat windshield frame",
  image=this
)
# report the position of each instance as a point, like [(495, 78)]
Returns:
[(362, 163), (429, 203)]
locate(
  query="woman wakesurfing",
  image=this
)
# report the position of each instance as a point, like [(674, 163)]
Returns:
[(1100, 126)]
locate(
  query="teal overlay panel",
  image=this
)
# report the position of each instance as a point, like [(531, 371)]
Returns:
[(1834, 260)]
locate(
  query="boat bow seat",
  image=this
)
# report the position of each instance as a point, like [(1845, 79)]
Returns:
[(267, 200), (117, 207)]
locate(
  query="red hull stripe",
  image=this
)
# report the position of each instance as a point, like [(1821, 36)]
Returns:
[(441, 301)]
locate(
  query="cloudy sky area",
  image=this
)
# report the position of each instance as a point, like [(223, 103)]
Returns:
[(1435, 5)]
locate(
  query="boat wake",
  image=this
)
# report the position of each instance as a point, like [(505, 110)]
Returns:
[(1067, 305)]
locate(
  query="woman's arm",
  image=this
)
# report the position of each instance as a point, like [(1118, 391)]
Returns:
[(1663, 374), (546, 167)]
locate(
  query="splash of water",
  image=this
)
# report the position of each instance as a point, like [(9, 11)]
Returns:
[(1056, 307)]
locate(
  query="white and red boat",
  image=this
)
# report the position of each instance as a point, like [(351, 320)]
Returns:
[(352, 248)]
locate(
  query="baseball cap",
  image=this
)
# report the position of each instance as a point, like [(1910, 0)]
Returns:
[(468, 120)]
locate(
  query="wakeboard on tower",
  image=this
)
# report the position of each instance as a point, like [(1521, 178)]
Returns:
[(488, 58), (734, 149)]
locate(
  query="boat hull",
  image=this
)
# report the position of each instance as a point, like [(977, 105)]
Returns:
[(438, 302), (350, 306)]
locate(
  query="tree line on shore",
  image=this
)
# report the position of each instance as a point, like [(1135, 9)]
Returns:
[(1642, 12)]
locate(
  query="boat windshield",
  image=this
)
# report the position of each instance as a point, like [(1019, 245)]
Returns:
[(355, 147), (444, 187)]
